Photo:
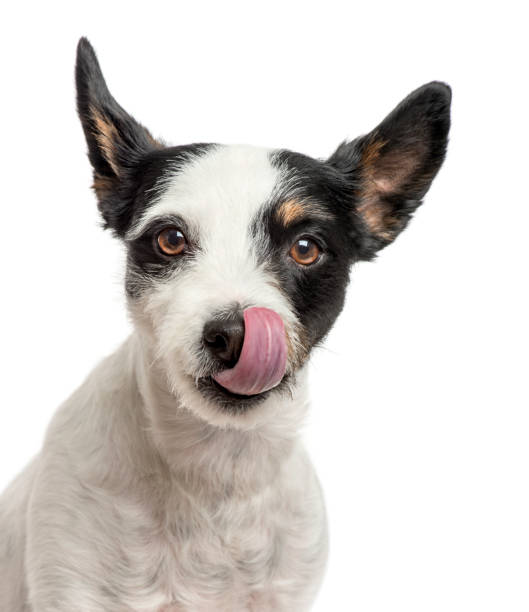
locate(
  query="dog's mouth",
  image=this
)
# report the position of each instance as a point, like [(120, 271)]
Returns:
[(260, 366), (231, 394), (234, 402), (262, 362)]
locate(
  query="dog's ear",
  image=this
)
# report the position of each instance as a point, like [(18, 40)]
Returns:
[(116, 141), (390, 170)]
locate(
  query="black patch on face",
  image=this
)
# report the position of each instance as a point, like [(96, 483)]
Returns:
[(147, 262), (316, 291), (319, 181), (144, 259)]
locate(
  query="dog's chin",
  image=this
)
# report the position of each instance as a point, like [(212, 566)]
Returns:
[(208, 400)]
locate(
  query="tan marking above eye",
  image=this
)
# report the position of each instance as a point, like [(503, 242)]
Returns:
[(293, 210), (290, 211), (171, 241), (305, 251)]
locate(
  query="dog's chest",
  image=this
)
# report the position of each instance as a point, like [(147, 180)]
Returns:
[(226, 560), (261, 554)]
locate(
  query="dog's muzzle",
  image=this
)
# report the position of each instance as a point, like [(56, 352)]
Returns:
[(252, 349)]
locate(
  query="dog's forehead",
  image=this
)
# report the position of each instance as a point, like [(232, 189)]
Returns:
[(226, 183)]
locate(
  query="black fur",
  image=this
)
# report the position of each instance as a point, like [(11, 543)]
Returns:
[(317, 292)]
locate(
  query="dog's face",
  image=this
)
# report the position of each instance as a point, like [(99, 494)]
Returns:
[(239, 257)]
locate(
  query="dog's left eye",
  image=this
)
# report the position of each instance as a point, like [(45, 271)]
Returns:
[(305, 251), (171, 241)]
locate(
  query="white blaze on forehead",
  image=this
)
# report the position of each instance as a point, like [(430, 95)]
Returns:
[(217, 193)]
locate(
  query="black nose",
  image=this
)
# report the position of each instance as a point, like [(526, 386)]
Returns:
[(223, 336)]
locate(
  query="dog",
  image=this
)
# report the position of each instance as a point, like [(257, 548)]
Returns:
[(174, 477)]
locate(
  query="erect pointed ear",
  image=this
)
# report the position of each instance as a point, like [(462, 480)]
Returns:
[(116, 141), (391, 169)]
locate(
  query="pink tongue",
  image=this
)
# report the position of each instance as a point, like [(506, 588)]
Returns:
[(263, 358)]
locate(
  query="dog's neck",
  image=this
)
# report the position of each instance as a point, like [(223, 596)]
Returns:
[(207, 460)]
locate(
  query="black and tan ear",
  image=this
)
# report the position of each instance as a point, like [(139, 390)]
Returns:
[(392, 168), (116, 141)]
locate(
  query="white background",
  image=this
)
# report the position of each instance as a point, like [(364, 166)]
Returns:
[(419, 427)]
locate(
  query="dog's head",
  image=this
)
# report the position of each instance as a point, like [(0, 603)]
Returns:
[(239, 257)]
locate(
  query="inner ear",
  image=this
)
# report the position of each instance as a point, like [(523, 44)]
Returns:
[(106, 136), (392, 180), (389, 167), (394, 165)]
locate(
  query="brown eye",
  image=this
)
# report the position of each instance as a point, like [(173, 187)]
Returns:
[(305, 251), (171, 241)]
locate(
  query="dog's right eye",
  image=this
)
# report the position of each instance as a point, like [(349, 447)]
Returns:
[(171, 241)]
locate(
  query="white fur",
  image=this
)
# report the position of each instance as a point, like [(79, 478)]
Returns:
[(146, 497), (225, 187)]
